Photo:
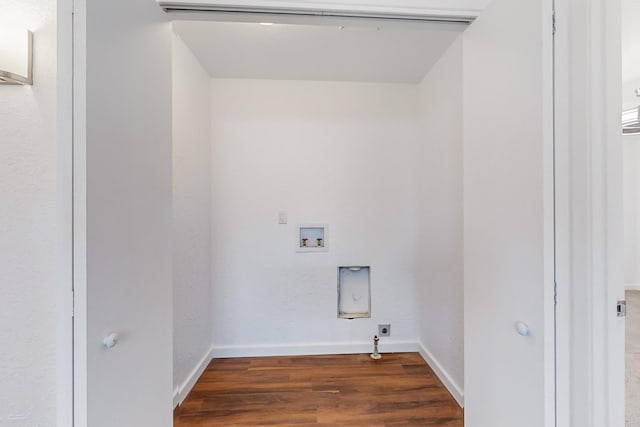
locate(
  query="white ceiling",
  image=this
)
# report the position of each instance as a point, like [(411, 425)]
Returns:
[(341, 52)]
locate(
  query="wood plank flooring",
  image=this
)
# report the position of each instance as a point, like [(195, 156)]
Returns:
[(336, 390)]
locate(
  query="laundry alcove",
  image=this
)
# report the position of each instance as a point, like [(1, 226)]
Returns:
[(351, 124), (203, 173)]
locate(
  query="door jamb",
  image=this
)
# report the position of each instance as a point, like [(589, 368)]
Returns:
[(80, 338), (64, 209), (590, 350), (71, 143)]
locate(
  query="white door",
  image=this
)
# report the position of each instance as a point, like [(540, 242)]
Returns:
[(508, 216), (122, 206)]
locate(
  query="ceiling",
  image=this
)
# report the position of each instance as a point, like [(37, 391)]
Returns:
[(346, 51), (350, 52)]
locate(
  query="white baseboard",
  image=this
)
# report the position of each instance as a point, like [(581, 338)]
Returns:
[(454, 389), (385, 346), (632, 286), (182, 391), (176, 397)]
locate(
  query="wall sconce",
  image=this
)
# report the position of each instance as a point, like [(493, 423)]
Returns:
[(631, 121), (16, 57)]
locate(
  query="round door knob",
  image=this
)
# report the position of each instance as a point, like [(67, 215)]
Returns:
[(110, 340), (522, 328)]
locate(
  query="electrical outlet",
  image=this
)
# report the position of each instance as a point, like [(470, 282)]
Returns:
[(384, 330), (282, 217)]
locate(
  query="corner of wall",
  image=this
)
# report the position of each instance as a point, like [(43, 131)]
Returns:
[(191, 175), (441, 282), (454, 388), (181, 391)]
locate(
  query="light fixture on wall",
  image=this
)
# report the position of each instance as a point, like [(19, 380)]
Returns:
[(16, 57), (631, 121)]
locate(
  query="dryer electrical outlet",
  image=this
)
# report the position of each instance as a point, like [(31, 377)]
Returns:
[(384, 330)]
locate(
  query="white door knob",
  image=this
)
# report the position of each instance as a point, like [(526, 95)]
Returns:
[(110, 340), (522, 328)]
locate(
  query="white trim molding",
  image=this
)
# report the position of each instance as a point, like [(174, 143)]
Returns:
[(632, 286), (79, 189), (181, 392), (400, 10), (259, 350), (590, 349), (64, 208), (454, 388)]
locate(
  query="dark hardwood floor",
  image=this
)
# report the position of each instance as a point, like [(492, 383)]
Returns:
[(337, 390)]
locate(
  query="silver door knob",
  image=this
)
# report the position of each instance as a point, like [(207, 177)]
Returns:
[(110, 340), (522, 328)]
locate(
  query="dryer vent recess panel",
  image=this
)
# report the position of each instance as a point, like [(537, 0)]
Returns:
[(354, 292)]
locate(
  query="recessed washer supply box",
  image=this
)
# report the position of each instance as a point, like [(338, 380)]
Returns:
[(312, 238)]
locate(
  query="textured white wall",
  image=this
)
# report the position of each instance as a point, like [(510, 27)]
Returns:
[(28, 227), (631, 168), (344, 154), (440, 273), (191, 215)]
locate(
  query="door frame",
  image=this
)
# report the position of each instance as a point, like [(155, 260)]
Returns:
[(71, 202), (64, 208), (589, 336), (585, 317)]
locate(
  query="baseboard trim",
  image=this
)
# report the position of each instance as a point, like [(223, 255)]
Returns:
[(176, 397), (385, 346), (182, 391), (454, 389), (632, 286)]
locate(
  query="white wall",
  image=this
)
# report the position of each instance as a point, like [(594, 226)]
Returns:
[(191, 218), (629, 97), (630, 49), (440, 274), (631, 168), (631, 143), (28, 227), (345, 154)]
